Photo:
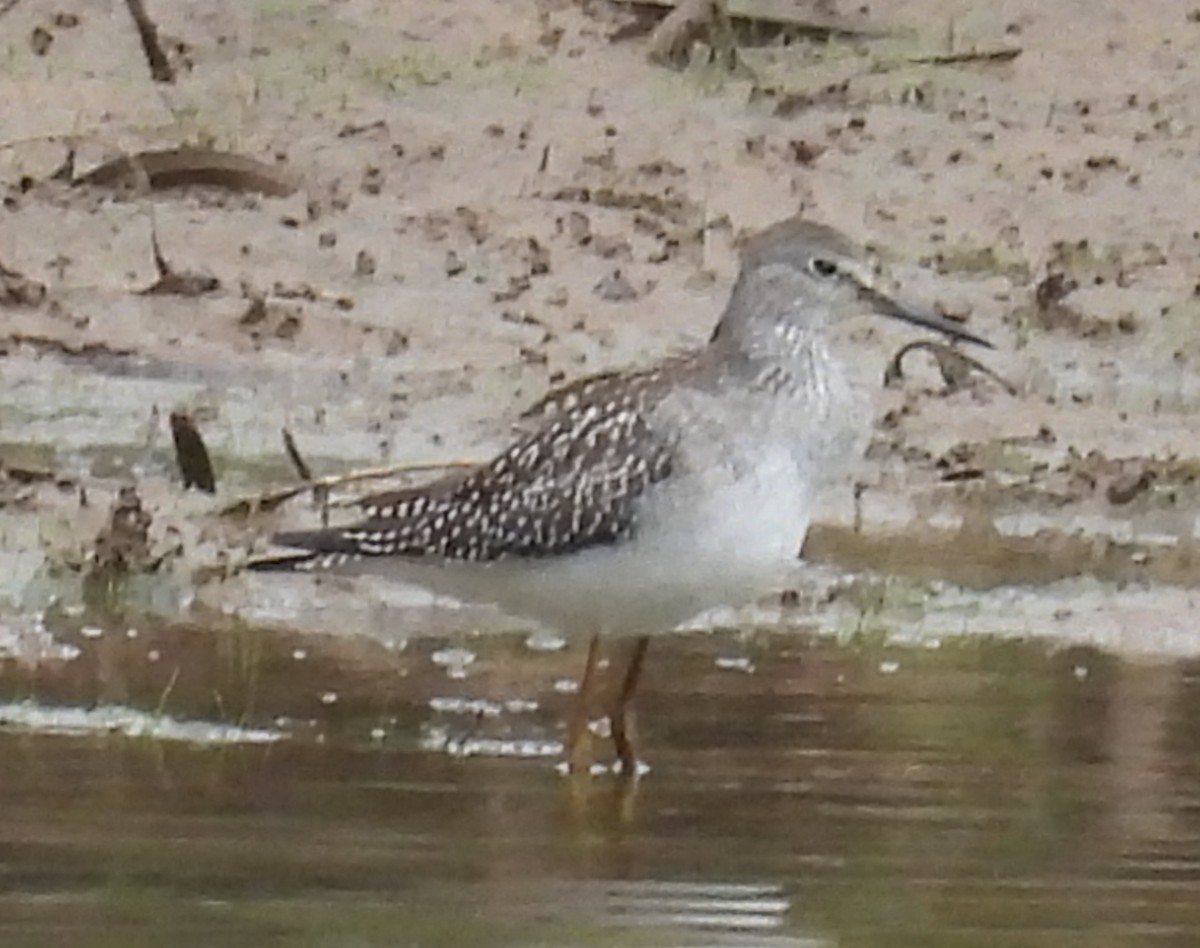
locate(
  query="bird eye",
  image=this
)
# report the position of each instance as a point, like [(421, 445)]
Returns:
[(822, 266)]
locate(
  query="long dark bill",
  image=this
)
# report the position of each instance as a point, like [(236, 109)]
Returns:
[(886, 306)]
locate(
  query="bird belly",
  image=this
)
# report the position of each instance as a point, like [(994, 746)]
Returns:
[(704, 542), (716, 538)]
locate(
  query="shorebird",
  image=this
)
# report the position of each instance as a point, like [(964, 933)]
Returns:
[(640, 499)]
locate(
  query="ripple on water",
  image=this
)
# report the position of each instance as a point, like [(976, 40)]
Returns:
[(30, 717), (441, 740)]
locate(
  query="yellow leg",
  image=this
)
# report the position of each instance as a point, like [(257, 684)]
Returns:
[(579, 735), (620, 716)]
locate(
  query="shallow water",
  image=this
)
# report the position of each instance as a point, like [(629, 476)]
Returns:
[(802, 791)]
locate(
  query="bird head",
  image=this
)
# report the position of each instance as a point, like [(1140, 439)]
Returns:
[(798, 276)]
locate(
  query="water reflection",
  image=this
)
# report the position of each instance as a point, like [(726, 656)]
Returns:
[(803, 792)]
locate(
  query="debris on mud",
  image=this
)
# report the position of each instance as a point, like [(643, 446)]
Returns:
[(123, 545), (689, 23), (616, 288), (161, 69), (191, 455), (190, 165), (1074, 265), (16, 289), (40, 40), (1050, 311), (751, 23), (173, 282), (1123, 480), (956, 367), (975, 56)]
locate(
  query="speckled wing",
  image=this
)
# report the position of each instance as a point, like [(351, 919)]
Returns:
[(640, 385), (572, 484)]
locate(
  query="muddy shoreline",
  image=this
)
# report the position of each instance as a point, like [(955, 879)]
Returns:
[(486, 206)]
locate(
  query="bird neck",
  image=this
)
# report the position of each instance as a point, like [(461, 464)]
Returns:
[(764, 331)]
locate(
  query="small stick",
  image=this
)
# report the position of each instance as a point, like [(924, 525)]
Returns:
[(293, 453), (160, 67), (955, 366), (1005, 55), (273, 498), (320, 494)]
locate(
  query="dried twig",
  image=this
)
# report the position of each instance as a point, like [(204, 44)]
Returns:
[(160, 68), (320, 494), (1004, 55), (955, 366), (271, 499), (188, 165), (289, 445)]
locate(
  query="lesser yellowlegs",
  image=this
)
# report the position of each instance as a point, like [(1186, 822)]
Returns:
[(644, 498)]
